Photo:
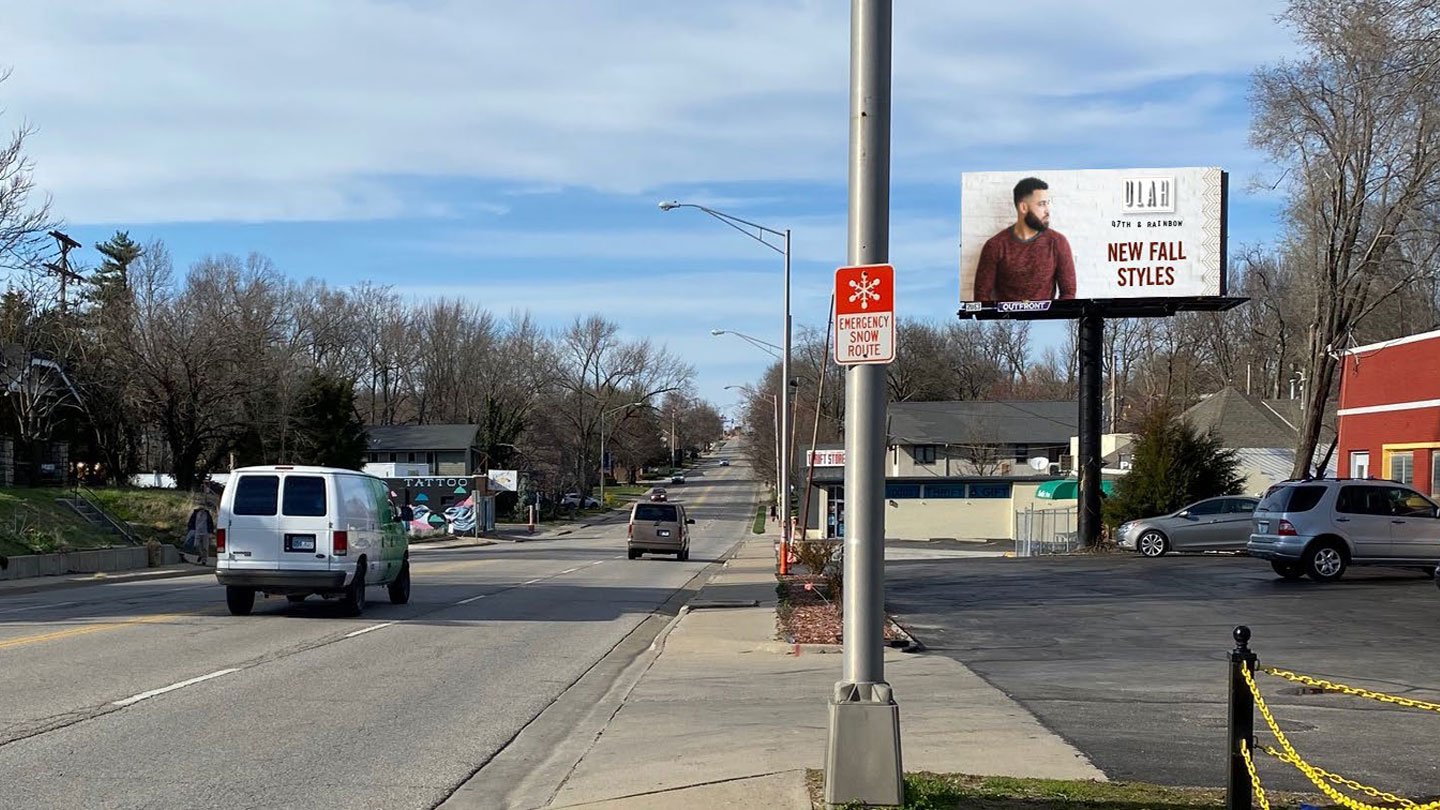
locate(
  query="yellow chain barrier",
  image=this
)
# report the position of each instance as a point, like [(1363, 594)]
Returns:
[(1331, 686), (1374, 793), (1259, 789), (1318, 777)]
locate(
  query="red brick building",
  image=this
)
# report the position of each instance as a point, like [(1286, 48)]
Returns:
[(1389, 415)]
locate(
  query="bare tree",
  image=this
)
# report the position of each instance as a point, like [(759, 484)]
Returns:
[(1354, 124), (23, 221)]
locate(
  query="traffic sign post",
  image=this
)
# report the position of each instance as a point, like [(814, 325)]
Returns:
[(865, 315)]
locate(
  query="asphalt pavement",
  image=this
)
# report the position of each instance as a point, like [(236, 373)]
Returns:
[(1124, 657), (149, 694)]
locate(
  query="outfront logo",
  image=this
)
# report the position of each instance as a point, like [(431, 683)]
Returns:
[(1149, 195)]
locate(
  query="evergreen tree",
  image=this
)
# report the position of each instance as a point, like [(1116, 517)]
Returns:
[(327, 429), (1173, 465), (111, 280)]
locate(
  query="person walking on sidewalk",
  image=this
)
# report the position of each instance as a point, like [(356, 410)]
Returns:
[(198, 530), (774, 514)]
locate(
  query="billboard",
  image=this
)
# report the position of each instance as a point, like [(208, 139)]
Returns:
[(505, 480), (1031, 239)]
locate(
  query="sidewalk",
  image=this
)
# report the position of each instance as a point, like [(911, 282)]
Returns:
[(17, 587), (728, 717)]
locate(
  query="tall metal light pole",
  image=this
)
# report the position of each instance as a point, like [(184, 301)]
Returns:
[(603, 414), (862, 762), (759, 235)]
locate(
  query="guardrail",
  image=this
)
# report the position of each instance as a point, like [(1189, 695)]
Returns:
[(1242, 787)]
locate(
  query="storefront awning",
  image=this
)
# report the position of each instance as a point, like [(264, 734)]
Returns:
[(1067, 489)]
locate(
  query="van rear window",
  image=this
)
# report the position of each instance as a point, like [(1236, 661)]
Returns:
[(654, 511), (1291, 499), (304, 496), (256, 494)]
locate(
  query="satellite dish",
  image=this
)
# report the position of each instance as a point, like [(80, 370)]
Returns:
[(1039, 464)]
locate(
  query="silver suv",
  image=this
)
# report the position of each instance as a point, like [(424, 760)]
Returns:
[(1320, 527)]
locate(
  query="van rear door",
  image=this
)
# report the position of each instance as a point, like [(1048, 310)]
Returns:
[(306, 529), (252, 528), (278, 522)]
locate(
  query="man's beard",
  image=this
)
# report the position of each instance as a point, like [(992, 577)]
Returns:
[(1034, 222)]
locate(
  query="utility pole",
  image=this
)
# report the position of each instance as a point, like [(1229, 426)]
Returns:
[(61, 269), (862, 762)]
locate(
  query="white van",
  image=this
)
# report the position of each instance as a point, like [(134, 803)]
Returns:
[(294, 531)]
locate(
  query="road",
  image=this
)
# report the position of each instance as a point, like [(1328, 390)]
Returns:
[(149, 694), (1125, 657)]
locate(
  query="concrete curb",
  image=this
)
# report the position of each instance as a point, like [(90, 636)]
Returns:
[(63, 582)]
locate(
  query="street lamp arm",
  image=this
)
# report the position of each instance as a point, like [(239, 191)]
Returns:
[(753, 341), (735, 222)]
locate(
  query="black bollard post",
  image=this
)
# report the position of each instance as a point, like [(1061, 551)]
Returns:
[(1238, 789)]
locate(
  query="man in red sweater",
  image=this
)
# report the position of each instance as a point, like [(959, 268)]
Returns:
[(1027, 261)]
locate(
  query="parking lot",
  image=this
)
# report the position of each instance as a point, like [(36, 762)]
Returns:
[(1125, 657)]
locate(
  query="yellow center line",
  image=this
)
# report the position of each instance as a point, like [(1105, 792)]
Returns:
[(72, 632)]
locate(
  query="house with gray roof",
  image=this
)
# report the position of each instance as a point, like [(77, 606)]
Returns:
[(1263, 433), (978, 437), (444, 449)]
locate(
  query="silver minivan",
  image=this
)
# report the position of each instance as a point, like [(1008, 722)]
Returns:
[(659, 528), (1320, 527), (295, 531)]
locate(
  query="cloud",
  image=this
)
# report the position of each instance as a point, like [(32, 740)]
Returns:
[(342, 109)]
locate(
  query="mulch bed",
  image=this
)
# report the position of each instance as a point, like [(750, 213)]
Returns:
[(811, 616)]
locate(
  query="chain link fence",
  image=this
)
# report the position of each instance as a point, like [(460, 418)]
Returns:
[(1046, 531)]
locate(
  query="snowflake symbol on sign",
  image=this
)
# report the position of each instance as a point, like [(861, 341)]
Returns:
[(864, 290)]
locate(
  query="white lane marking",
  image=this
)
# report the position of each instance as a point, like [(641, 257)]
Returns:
[(368, 629), (531, 582), (38, 607), (171, 688), (472, 599), (572, 570)]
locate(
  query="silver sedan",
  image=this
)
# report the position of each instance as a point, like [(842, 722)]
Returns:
[(1214, 524)]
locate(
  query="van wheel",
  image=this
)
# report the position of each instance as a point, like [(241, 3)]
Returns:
[(1288, 570), (683, 556), (632, 553), (240, 600), (296, 598), (355, 594), (1325, 561), (400, 588)]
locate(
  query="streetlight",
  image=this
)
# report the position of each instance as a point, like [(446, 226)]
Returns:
[(759, 235), (603, 414), (752, 340)]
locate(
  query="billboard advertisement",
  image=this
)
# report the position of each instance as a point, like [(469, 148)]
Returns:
[(1031, 239)]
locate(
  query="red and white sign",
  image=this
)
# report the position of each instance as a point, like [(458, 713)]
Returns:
[(865, 315), (827, 458)]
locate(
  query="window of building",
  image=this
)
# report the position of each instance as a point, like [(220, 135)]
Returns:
[(1402, 467), (945, 490), (1435, 473), (902, 492), (410, 458), (1360, 464), (990, 490), (1022, 452), (924, 453)]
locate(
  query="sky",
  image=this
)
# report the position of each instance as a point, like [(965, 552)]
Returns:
[(513, 153)]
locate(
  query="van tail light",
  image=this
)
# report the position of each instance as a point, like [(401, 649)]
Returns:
[(630, 530), (340, 543), (1287, 529), (219, 541)]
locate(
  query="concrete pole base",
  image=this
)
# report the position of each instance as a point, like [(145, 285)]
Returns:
[(862, 759)]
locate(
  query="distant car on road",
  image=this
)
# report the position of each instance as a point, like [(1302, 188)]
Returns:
[(724, 462), (677, 479), (657, 494), (1214, 524), (572, 500)]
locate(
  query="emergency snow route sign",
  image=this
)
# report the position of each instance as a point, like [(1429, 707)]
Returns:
[(865, 315)]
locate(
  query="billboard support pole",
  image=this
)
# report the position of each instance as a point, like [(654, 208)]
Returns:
[(862, 761), (1092, 349)]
